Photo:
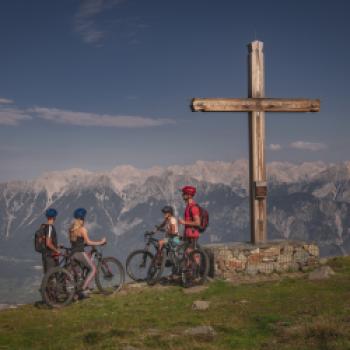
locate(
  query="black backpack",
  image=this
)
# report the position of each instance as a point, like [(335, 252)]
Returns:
[(204, 218), (40, 239)]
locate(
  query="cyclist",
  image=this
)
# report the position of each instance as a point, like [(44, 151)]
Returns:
[(78, 236), (51, 252), (191, 219), (170, 227)]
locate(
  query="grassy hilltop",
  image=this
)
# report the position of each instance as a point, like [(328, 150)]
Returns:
[(285, 314)]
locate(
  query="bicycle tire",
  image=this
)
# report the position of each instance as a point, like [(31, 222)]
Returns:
[(155, 270), (132, 257), (50, 292), (105, 273), (194, 273)]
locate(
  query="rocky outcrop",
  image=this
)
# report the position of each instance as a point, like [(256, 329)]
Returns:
[(278, 256)]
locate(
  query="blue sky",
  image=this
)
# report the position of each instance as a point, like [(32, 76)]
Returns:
[(98, 83)]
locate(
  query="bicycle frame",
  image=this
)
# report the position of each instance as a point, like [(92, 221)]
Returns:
[(71, 265), (150, 241)]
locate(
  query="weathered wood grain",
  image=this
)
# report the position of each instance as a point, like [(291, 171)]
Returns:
[(256, 124), (255, 105)]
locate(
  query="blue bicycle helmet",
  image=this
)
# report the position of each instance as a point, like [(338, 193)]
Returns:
[(80, 213), (51, 213)]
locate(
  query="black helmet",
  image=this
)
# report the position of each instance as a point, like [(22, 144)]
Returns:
[(168, 209)]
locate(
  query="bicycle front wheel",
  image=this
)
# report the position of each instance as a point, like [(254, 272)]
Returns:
[(137, 265), (58, 287), (156, 269), (109, 276)]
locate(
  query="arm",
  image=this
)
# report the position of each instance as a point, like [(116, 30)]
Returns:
[(161, 226), (196, 222), (88, 241), (49, 243)]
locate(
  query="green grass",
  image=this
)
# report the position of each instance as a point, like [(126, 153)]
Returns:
[(286, 314)]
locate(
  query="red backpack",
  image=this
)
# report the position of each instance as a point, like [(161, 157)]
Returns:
[(204, 218)]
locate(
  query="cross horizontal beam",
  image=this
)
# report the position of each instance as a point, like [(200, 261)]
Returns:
[(255, 105)]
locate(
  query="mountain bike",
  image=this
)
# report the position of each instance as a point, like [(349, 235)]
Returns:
[(138, 261), (187, 260), (61, 284)]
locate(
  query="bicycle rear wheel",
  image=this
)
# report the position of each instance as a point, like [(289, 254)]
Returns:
[(137, 265), (58, 287), (110, 275), (196, 268)]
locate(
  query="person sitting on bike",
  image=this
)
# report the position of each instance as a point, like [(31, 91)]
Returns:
[(78, 236), (170, 227), (51, 253), (191, 219)]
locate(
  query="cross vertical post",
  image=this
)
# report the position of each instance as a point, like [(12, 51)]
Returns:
[(257, 168)]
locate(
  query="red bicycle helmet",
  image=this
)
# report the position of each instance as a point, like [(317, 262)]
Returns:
[(190, 190)]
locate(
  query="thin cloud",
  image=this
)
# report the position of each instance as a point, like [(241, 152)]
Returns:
[(5, 101), (308, 146), (13, 116), (274, 147), (59, 116), (85, 19)]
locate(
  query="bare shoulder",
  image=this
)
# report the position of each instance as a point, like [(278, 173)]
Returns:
[(173, 220), (83, 230)]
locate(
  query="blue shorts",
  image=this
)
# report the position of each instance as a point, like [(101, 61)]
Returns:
[(173, 241)]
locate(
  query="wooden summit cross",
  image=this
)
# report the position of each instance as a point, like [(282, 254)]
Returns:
[(256, 105)]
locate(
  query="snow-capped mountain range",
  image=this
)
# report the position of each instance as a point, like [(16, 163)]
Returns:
[(309, 201)]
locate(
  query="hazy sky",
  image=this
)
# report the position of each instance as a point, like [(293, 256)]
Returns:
[(98, 83)]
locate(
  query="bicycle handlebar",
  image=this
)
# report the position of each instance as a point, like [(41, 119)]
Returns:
[(150, 233), (65, 248)]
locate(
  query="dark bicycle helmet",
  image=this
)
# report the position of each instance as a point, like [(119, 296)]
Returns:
[(51, 213), (80, 213), (168, 209)]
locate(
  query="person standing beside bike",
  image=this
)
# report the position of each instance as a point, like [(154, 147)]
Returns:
[(78, 236), (51, 252), (191, 219)]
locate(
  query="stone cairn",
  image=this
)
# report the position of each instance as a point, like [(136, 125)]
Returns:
[(279, 256)]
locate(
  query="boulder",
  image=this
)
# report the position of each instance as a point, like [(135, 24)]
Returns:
[(200, 305), (312, 249), (321, 273), (252, 269), (324, 261), (206, 332), (266, 268)]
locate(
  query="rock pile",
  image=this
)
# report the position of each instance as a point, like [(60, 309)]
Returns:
[(275, 256)]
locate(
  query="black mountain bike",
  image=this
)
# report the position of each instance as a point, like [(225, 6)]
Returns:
[(62, 283), (187, 260), (138, 261)]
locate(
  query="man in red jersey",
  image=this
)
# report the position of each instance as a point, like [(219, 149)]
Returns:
[(192, 214)]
